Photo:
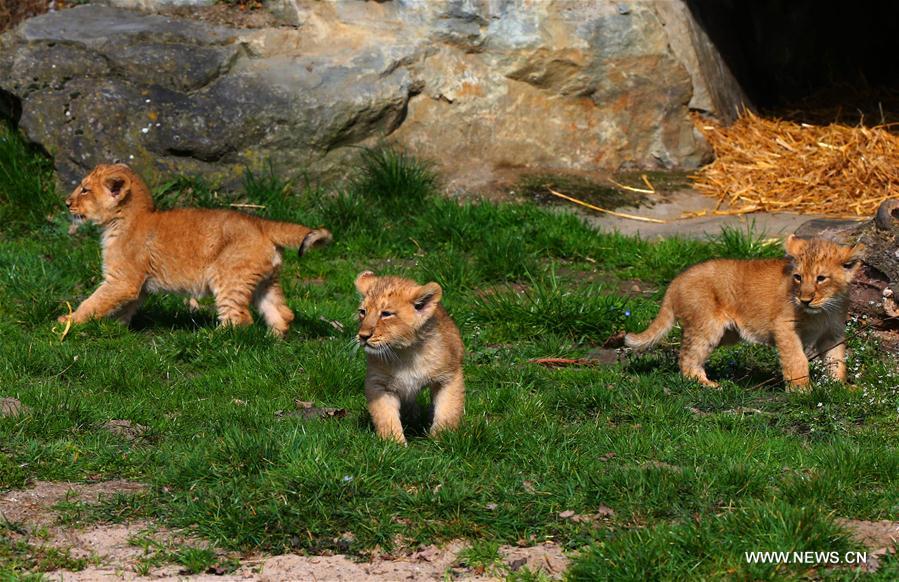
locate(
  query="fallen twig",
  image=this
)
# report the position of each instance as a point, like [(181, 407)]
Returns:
[(562, 362), (606, 211), (631, 188), (68, 326)]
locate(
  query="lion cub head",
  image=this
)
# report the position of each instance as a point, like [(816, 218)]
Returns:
[(393, 311), (822, 271), (108, 192)]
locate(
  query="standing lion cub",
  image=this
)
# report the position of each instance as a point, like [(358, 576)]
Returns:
[(233, 256), (410, 342), (798, 303)]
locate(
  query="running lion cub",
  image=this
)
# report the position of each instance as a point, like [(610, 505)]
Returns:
[(410, 342), (798, 303), (234, 256)]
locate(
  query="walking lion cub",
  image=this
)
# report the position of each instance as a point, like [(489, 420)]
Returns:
[(233, 256), (798, 303), (410, 342)]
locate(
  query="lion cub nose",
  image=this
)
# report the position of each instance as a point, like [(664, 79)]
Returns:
[(68, 202), (806, 302), (364, 335)]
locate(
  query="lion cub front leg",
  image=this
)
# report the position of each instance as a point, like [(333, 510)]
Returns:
[(793, 361), (835, 359), (384, 408), (448, 400), (108, 297)]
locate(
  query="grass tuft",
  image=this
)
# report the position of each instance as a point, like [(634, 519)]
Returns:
[(28, 195), (392, 177)]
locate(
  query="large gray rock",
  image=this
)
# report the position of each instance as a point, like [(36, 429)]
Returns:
[(475, 85)]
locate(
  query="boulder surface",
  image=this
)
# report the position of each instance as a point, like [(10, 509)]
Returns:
[(476, 86)]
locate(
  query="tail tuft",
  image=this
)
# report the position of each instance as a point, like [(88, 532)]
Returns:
[(295, 236), (316, 238)]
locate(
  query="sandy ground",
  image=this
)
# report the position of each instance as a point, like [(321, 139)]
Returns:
[(112, 556)]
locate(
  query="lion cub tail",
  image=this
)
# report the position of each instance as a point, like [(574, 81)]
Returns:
[(296, 236), (658, 329)]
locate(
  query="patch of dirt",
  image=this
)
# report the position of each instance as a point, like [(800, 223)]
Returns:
[(126, 429), (308, 411), (547, 558), (12, 407), (609, 282), (603, 189), (880, 537), (34, 506), (873, 534), (113, 556), (603, 194)]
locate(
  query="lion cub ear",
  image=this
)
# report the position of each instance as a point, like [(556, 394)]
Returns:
[(117, 185), (364, 281), (853, 256), (426, 298), (794, 245)]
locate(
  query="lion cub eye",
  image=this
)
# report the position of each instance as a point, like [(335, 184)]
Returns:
[(361, 313), (386, 314), (821, 278), (797, 278), (85, 191)]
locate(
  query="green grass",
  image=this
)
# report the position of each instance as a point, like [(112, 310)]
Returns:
[(27, 195), (693, 479)]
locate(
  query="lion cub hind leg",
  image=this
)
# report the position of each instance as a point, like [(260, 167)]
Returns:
[(269, 300), (448, 400), (701, 336), (384, 408)]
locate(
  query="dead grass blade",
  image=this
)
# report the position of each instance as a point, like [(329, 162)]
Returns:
[(605, 210)]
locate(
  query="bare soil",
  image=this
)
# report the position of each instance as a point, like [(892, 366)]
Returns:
[(113, 556)]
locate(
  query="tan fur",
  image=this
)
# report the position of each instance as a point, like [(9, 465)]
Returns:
[(233, 256), (798, 303), (410, 342)]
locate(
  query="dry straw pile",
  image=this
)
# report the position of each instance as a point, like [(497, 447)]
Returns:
[(775, 165)]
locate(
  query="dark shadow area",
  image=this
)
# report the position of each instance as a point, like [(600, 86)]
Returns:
[(810, 60), (741, 370), (10, 108), (157, 317)]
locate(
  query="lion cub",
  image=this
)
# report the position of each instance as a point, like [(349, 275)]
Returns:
[(410, 342), (234, 256), (798, 303)]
